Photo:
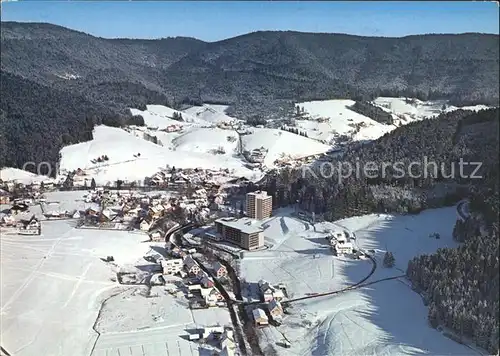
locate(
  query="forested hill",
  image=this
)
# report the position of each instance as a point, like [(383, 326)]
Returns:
[(257, 74), (460, 285), (262, 65)]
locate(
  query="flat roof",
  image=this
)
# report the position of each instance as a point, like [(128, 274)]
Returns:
[(246, 225), (260, 194)]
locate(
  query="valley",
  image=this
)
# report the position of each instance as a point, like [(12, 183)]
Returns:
[(265, 193)]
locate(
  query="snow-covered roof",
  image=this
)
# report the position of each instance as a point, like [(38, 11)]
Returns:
[(344, 245), (259, 314), (245, 225), (262, 194)]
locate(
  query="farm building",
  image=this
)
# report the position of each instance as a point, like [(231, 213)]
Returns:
[(275, 309), (260, 317), (172, 266)]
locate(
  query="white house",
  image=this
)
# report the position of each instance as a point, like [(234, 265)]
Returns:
[(260, 317), (145, 224), (212, 297), (172, 266), (343, 248), (157, 179)]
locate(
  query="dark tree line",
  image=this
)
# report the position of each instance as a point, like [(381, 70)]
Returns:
[(177, 116), (461, 284), (439, 143), (256, 121), (294, 130), (373, 112)]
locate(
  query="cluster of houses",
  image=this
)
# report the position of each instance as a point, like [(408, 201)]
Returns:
[(201, 286), (182, 178), (228, 125), (34, 186), (137, 209), (30, 226), (224, 336), (272, 296), (16, 217), (131, 208)]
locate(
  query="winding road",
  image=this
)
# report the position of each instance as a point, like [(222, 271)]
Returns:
[(169, 236), (463, 209)]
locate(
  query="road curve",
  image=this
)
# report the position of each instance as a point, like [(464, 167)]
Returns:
[(229, 302), (463, 209)]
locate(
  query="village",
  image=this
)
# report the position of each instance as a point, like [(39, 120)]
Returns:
[(197, 229)]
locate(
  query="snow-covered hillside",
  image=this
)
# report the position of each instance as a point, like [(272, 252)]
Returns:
[(160, 117), (338, 120), (21, 176), (406, 110), (328, 120), (207, 140), (386, 317), (279, 143), (134, 153), (132, 158)]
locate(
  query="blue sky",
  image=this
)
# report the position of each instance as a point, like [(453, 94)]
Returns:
[(212, 21)]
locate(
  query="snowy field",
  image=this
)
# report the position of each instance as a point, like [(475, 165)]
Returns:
[(386, 318), (160, 117), (340, 121), (132, 158), (204, 140), (122, 148), (53, 286), (280, 143)]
